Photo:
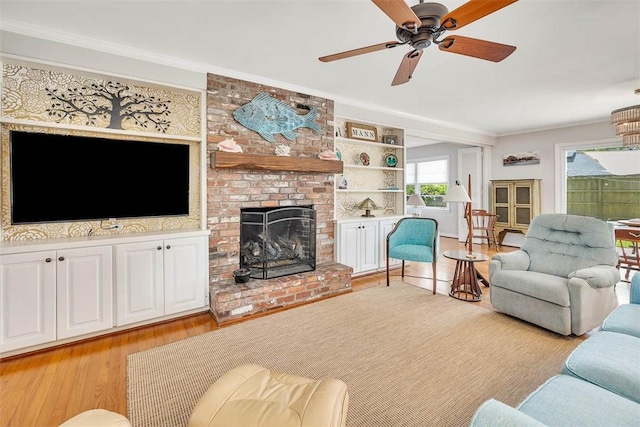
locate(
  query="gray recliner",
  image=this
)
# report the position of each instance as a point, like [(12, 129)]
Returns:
[(563, 277)]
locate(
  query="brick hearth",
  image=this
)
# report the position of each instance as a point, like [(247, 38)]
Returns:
[(231, 301), (230, 189)]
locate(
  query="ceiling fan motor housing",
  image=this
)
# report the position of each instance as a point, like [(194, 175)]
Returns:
[(429, 14)]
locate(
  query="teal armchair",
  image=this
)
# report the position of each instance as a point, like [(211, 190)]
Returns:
[(414, 239)]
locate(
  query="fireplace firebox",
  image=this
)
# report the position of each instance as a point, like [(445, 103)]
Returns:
[(277, 242)]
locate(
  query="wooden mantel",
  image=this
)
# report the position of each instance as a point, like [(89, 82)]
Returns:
[(224, 159)]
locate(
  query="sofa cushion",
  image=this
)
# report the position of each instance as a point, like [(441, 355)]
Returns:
[(609, 360), (494, 413), (625, 320), (567, 401), (418, 253), (543, 286)]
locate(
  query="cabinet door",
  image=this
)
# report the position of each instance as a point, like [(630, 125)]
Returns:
[(348, 245), (501, 204), (523, 213), (385, 228), (139, 282), (27, 300), (368, 247), (84, 289), (185, 273)]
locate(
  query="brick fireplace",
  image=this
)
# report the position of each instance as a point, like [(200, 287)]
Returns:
[(232, 188)]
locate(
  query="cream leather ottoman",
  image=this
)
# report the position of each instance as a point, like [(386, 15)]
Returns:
[(253, 396), (97, 418)]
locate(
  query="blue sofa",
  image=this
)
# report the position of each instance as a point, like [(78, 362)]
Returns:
[(599, 384)]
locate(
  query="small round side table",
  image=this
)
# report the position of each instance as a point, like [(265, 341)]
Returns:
[(466, 279)]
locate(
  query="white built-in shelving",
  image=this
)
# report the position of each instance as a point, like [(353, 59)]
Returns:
[(360, 241)]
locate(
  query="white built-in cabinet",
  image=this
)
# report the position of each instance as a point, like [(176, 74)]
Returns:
[(27, 300), (82, 287), (362, 244), (52, 295), (358, 247), (159, 277)]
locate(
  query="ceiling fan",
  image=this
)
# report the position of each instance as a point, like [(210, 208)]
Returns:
[(424, 23)]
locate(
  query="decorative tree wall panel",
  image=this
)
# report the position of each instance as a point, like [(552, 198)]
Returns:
[(51, 96)]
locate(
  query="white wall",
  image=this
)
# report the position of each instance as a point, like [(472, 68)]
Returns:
[(545, 142)]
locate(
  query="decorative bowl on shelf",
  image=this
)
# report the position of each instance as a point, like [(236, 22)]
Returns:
[(391, 160), (241, 275), (364, 158)]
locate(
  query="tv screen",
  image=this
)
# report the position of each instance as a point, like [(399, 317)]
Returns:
[(58, 178)]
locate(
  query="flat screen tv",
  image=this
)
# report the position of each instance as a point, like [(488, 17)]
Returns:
[(57, 178)]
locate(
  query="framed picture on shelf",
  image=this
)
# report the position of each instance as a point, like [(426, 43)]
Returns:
[(390, 139), (362, 132)]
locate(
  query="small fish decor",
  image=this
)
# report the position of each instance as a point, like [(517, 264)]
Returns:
[(267, 116)]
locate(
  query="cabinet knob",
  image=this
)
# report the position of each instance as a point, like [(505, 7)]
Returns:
[(159, 248), (168, 246), (61, 258), (48, 260)]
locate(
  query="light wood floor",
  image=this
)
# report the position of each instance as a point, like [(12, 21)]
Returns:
[(48, 387)]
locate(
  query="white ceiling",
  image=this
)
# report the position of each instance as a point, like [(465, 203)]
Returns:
[(576, 60)]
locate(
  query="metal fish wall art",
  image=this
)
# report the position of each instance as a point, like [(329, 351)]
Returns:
[(267, 116)]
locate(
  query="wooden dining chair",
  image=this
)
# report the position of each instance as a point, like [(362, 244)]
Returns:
[(627, 243), (484, 227)]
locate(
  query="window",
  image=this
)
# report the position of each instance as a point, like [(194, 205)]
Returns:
[(603, 182), (431, 177)]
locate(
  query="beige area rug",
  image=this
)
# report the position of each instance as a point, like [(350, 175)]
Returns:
[(409, 358)]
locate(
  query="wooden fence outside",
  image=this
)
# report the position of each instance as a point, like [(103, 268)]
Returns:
[(604, 196)]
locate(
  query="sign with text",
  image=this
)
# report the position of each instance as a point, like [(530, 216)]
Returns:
[(363, 132)]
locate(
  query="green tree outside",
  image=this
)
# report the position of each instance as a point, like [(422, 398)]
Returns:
[(432, 194)]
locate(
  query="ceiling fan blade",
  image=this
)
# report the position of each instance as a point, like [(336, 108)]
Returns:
[(400, 13), (481, 49), (407, 67), (472, 11), (359, 51)]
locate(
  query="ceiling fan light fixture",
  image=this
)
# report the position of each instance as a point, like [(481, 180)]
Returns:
[(422, 24), (627, 123)]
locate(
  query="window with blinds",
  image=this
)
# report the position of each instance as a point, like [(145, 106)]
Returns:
[(431, 177)]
